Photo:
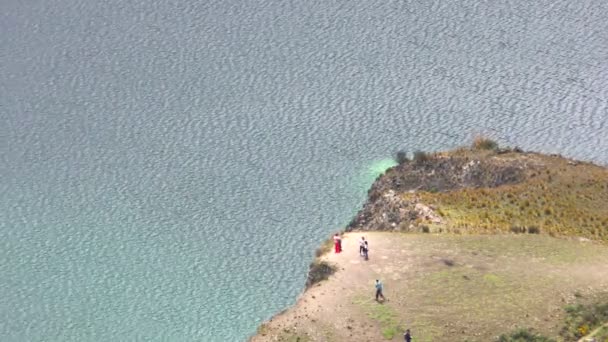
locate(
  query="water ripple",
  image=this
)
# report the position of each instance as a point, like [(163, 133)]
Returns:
[(168, 169)]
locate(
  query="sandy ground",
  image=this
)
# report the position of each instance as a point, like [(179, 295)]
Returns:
[(444, 288)]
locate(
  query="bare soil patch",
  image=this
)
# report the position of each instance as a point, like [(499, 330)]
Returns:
[(444, 288)]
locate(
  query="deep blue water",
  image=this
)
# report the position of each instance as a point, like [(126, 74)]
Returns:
[(168, 168)]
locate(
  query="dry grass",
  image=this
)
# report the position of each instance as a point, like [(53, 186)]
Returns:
[(483, 143), (447, 287), (325, 247), (557, 197)]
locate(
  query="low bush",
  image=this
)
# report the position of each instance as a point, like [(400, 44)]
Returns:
[(421, 157), (482, 143), (401, 157), (319, 271), (518, 229), (524, 335), (581, 319)]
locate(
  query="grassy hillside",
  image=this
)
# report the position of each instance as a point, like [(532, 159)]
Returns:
[(477, 190), (448, 287), (556, 196), (501, 277)]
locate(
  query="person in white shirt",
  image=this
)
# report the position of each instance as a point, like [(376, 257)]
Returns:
[(361, 246)]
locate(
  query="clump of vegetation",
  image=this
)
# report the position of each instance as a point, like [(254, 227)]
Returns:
[(483, 143), (574, 202), (325, 247), (524, 335), (319, 271), (602, 334), (582, 318), (421, 157), (401, 157), (518, 229)]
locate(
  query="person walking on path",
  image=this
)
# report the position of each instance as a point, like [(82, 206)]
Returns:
[(407, 337), (379, 289), (337, 243), (366, 250)]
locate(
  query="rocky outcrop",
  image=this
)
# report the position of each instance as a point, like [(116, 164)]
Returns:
[(388, 209)]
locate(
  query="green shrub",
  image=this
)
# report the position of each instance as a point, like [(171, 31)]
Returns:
[(582, 319)]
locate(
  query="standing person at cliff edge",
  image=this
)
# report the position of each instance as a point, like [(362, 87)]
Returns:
[(337, 243)]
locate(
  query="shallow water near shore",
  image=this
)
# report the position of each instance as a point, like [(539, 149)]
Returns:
[(168, 169)]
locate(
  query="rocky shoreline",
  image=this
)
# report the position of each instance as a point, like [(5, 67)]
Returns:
[(441, 172), (452, 192)]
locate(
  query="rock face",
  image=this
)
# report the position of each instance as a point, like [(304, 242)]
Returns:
[(387, 208)]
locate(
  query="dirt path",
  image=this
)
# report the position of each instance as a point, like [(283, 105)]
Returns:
[(444, 288)]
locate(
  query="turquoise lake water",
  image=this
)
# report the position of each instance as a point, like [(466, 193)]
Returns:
[(168, 168)]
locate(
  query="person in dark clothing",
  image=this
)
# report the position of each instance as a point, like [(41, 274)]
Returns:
[(379, 289), (366, 250), (407, 336)]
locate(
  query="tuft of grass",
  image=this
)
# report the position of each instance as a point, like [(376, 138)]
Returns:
[(263, 329), (518, 229), (583, 317), (389, 332), (483, 143), (421, 157), (524, 335)]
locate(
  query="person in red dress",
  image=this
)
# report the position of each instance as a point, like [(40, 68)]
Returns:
[(337, 243)]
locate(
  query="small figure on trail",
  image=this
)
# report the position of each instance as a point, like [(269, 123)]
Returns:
[(379, 288), (407, 337), (337, 243), (361, 245), (366, 250)]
